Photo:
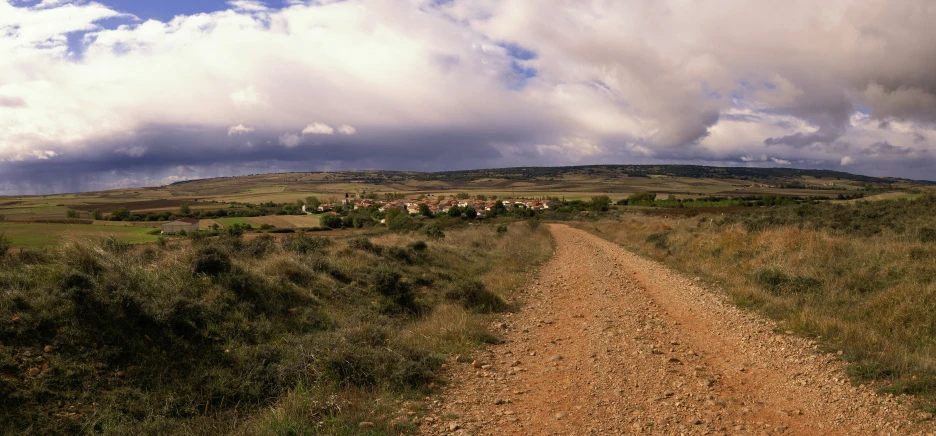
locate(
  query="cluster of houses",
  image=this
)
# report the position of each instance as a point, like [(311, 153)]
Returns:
[(435, 206)]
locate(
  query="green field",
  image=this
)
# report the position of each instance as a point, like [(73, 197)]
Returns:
[(34, 235)]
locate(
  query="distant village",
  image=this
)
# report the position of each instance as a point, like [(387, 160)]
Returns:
[(436, 206)]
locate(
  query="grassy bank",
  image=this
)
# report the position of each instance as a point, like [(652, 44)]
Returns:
[(302, 335), (860, 277)]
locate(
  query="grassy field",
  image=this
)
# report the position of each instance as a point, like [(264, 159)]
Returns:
[(297, 335), (36, 235), (859, 278)]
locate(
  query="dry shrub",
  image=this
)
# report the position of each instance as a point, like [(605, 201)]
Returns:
[(448, 328)]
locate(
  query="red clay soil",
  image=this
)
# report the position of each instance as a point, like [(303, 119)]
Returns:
[(611, 343)]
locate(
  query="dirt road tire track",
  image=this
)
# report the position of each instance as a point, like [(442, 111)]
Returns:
[(611, 343)]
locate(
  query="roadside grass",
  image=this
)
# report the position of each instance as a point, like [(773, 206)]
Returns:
[(266, 336), (860, 282)]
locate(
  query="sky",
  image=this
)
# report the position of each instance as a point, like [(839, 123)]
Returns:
[(120, 93)]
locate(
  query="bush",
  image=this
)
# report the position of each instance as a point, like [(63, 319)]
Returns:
[(4, 244), (387, 281), (418, 246), (259, 246), (331, 221), (473, 295), (659, 240), (211, 260), (501, 229), (303, 244), (282, 231), (434, 231), (364, 244), (927, 235)]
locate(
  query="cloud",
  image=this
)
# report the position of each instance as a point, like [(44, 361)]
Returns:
[(239, 129), (318, 129), (12, 102), (132, 151), (604, 82), (289, 140), (846, 161), (779, 161), (248, 5)]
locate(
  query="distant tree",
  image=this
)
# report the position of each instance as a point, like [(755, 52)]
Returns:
[(462, 196), (499, 209), (313, 202), (184, 209), (600, 203), (425, 211), (72, 214), (455, 212), (441, 198), (300, 203), (2, 217), (120, 214), (641, 197), (421, 197), (97, 214), (470, 212), (481, 197)]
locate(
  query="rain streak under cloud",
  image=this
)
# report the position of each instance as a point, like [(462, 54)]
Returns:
[(110, 94)]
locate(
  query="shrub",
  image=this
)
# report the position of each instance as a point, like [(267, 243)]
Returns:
[(434, 231), (303, 244), (927, 235), (364, 244), (267, 226), (776, 282), (114, 245), (501, 229), (259, 246), (282, 231), (331, 221), (388, 282), (4, 244), (473, 295), (659, 240), (211, 260), (418, 246), (162, 242)]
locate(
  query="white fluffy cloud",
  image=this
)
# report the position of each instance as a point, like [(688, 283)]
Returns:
[(538, 81), (318, 129), (239, 129)]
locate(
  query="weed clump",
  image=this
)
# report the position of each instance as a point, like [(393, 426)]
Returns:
[(659, 240), (776, 282), (473, 295)]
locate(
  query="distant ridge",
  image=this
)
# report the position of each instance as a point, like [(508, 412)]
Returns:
[(764, 175)]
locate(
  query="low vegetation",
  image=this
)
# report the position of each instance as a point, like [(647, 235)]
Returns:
[(218, 335), (860, 277)]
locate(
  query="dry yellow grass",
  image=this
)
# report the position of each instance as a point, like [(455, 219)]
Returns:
[(873, 298)]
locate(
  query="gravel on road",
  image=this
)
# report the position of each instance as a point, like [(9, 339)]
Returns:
[(611, 343)]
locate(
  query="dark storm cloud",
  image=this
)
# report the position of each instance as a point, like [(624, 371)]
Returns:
[(162, 152)]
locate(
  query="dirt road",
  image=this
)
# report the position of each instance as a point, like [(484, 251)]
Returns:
[(610, 343)]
